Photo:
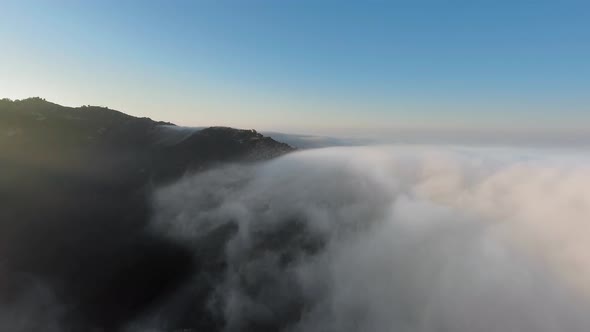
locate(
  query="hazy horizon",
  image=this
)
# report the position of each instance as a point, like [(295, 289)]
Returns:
[(329, 68)]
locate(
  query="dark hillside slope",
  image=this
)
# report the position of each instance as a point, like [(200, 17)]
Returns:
[(74, 190)]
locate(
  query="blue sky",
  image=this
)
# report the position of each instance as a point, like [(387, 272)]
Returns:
[(308, 66)]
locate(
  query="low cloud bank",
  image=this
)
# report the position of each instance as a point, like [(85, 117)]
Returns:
[(382, 239)]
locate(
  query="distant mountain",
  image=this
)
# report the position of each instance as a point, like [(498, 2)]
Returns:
[(75, 187)]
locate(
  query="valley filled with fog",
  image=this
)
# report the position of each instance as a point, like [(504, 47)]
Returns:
[(367, 238), (390, 238)]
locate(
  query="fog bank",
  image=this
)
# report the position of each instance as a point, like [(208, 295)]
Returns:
[(385, 238)]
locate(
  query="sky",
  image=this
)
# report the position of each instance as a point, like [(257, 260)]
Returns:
[(324, 67)]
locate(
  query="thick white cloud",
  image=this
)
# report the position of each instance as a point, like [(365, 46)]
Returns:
[(396, 239)]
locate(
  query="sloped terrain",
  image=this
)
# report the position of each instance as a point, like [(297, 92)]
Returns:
[(75, 186)]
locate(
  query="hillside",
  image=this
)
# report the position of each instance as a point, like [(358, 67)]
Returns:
[(75, 191), (42, 133)]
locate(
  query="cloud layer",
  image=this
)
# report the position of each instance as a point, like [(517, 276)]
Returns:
[(387, 238)]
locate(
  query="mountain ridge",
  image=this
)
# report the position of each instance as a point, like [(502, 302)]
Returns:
[(75, 196), (38, 126)]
